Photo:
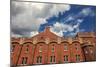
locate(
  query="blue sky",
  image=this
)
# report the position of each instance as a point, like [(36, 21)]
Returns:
[(87, 24), (29, 18)]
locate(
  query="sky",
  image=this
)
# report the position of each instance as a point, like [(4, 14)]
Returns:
[(30, 18)]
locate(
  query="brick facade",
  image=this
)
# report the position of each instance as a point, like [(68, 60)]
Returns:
[(48, 48)]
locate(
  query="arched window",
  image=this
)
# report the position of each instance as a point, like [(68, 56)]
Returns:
[(27, 48), (40, 48), (76, 47), (91, 50), (53, 48), (65, 47), (86, 52)]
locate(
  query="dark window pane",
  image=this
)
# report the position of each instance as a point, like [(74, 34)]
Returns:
[(24, 60), (51, 59), (54, 59), (37, 59)]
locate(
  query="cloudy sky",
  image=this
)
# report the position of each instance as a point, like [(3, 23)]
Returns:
[(29, 18)]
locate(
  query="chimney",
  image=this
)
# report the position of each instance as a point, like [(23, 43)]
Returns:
[(47, 28)]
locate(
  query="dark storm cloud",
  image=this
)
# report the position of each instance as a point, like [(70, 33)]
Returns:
[(16, 9), (26, 17)]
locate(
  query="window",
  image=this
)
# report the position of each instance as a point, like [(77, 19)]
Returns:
[(65, 47), (24, 60), (27, 48), (53, 48), (40, 48), (39, 59), (86, 52), (91, 51), (12, 48), (66, 58), (52, 59), (77, 57), (76, 46)]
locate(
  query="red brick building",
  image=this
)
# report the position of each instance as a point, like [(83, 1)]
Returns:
[(48, 48)]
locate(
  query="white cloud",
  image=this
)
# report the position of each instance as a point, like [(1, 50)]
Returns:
[(27, 16), (87, 12), (82, 13), (72, 22), (60, 33), (68, 18), (80, 20), (34, 33), (58, 28)]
